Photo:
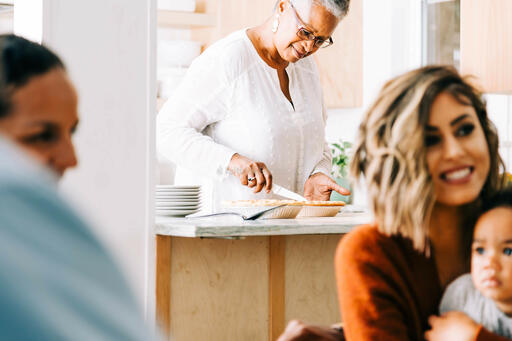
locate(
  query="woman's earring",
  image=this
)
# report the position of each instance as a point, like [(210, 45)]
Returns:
[(275, 24)]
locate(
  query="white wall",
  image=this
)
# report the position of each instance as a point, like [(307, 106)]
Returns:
[(499, 109), (391, 46), (109, 49)]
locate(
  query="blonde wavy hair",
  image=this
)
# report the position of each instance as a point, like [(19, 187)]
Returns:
[(390, 149)]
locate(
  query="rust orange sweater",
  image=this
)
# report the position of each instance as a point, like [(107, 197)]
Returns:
[(386, 289)]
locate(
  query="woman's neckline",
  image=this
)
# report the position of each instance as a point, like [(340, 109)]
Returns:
[(273, 71), (255, 50)]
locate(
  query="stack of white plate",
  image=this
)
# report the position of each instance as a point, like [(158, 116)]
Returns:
[(175, 200)]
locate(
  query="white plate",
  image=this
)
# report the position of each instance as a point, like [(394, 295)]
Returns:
[(178, 200), (170, 214), (167, 200), (177, 196), (177, 203), (177, 207), (180, 192), (175, 212), (163, 190), (177, 187), (177, 193)]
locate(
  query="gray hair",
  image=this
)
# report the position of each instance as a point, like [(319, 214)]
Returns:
[(338, 8)]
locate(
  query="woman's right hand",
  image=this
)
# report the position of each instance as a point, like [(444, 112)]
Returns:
[(251, 173)]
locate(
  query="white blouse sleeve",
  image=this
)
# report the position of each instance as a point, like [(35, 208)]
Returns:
[(202, 98), (325, 163)]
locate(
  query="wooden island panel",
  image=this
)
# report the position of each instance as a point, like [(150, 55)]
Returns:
[(219, 289), (244, 289), (310, 291)]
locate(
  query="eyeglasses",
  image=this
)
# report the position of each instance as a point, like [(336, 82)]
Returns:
[(304, 34)]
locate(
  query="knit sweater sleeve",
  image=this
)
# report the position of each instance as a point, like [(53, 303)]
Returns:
[(372, 289)]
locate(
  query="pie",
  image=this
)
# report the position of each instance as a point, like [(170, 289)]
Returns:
[(323, 203), (274, 202)]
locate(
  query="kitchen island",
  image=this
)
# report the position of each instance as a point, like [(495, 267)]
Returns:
[(227, 279)]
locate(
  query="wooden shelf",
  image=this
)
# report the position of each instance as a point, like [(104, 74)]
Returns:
[(185, 19)]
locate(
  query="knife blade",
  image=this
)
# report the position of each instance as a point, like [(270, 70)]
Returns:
[(276, 189)]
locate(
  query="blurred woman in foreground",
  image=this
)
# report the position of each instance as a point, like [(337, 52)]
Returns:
[(429, 156), (40, 112), (60, 282)]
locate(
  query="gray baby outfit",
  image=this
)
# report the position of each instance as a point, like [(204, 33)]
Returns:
[(461, 295)]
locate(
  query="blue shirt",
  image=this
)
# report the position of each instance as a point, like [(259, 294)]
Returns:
[(57, 282)]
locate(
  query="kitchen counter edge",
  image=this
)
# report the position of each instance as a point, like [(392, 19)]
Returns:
[(235, 227)]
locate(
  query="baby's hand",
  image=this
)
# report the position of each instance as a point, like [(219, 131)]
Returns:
[(453, 325)]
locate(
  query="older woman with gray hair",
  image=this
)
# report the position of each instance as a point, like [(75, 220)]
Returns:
[(250, 110)]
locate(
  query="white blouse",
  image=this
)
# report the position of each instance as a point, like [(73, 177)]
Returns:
[(230, 101)]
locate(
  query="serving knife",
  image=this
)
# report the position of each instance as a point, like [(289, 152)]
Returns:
[(276, 189)]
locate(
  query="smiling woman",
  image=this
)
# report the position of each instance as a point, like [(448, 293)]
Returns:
[(454, 133), (429, 155), (41, 112)]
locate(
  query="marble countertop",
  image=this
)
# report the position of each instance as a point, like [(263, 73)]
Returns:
[(229, 227)]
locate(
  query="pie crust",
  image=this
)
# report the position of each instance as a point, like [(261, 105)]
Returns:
[(274, 202)]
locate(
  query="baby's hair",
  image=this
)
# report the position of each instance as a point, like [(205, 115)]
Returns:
[(502, 198)]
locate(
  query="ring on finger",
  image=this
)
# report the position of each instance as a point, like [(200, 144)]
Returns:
[(251, 178)]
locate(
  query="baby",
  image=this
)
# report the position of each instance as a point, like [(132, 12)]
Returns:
[(485, 295)]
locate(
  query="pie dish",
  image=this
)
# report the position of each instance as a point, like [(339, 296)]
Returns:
[(292, 209), (320, 208), (323, 203), (249, 207)]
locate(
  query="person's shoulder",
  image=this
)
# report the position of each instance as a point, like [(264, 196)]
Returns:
[(461, 288), (365, 237), (231, 55), (462, 282), (234, 42), (458, 294), (366, 245)]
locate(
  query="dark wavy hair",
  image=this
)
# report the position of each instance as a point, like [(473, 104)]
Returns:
[(20, 60), (501, 198)]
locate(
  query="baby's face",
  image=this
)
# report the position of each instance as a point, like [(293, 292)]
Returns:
[(491, 256)]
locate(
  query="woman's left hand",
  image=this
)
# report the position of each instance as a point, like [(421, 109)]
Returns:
[(319, 187), (453, 325)]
